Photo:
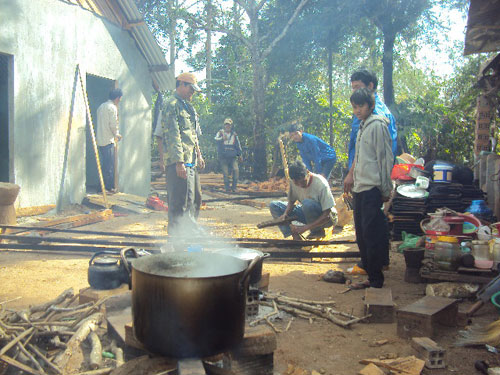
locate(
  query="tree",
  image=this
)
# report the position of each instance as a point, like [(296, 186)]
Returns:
[(392, 17)]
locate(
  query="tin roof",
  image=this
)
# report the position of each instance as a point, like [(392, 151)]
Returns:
[(125, 14), (483, 27)]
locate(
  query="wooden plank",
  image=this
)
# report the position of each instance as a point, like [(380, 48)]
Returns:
[(371, 369), (245, 202), (35, 210), (119, 201), (454, 276), (94, 295), (74, 221), (130, 338), (403, 365)]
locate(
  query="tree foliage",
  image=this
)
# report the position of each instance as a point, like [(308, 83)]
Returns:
[(264, 78)]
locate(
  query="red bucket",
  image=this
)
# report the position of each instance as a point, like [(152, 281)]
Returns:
[(456, 224)]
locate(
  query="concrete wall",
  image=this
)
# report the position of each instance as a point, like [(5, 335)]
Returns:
[(48, 39)]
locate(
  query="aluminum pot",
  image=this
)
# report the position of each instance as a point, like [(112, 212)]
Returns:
[(187, 304), (247, 255)]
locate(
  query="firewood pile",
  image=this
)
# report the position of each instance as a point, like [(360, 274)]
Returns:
[(305, 309), (57, 337), (273, 184)]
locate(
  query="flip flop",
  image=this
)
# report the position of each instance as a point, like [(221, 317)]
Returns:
[(361, 285)]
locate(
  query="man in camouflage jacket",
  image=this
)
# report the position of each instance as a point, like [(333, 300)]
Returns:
[(182, 154)]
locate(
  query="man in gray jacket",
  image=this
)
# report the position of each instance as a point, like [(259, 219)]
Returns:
[(370, 182)]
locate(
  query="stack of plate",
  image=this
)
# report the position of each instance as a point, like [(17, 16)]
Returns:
[(471, 193), (445, 195), (408, 209)]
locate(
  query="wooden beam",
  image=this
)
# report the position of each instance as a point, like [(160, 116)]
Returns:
[(158, 68), (75, 221), (35, 210), (132, 24)]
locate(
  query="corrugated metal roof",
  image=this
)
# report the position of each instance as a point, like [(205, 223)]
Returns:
[(483, 27), (125, 14)]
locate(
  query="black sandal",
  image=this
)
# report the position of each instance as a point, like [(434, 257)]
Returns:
[(360, 285)]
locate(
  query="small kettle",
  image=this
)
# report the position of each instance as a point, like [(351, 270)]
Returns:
[(105, 271)]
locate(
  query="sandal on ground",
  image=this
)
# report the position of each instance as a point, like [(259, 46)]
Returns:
[(360, 285)]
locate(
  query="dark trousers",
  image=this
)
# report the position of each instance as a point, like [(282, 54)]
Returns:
[(326, 168), (107, 158), (229, 165), (197, 193), (372, 234), (180, 202)]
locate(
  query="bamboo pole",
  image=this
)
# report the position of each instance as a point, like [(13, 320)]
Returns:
[(283, 158), (94, 143)]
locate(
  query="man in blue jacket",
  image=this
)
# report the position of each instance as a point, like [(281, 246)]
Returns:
[(318, 156), (364, 78)]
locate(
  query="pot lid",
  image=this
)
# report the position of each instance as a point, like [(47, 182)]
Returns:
[(106, 261)]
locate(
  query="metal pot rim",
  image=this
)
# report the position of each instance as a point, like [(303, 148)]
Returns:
[(240, 252), (185, 265)]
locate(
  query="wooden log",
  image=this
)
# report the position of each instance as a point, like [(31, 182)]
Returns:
[(19, 365), (31, 358), (14, 341), (88, 325), (102, 371), (118, 352), (276, 222), (25, 314), (21, 229), (80, 241), (95, 357), (34, 210), (35, 350)]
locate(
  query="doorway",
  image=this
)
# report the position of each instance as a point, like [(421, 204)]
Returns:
[(98, 89), (6, 64)]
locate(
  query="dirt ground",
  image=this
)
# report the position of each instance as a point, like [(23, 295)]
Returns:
[(28, 277)]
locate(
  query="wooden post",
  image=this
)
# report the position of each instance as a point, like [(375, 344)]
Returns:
[(116, 166), (94, 143)]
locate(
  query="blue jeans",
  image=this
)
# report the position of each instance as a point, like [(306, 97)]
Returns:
[(306, 213), (229, 165), (326, 168)]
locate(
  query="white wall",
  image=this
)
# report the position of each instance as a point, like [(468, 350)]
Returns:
[(48, 39)]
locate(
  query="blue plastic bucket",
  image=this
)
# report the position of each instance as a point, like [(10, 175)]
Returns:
[(442, 173)]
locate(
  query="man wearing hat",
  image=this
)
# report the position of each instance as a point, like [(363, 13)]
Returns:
[(229, 150), (182, 154)]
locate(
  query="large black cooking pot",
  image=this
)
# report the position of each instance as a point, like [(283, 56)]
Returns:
[(247, 255), (187, 304)]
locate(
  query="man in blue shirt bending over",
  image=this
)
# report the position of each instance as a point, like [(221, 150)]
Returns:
[(318, 156), (364, 78)]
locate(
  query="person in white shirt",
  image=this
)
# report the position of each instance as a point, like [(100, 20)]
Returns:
[(317, 206), (229, 150), (107, 134)]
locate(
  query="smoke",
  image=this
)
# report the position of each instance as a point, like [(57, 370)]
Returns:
[(189, 236)]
